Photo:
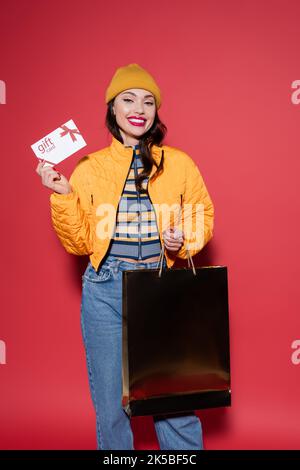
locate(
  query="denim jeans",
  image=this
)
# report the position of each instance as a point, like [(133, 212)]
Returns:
[(101, 325)]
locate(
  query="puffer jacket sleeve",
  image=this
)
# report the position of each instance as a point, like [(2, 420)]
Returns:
[(70, 215), (196, 206)]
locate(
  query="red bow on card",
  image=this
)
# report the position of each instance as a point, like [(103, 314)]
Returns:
[(69, 131)]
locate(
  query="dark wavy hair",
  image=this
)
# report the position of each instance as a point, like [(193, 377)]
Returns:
[(154, 136)]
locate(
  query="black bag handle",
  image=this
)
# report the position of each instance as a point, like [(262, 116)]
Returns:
[(161, 257)]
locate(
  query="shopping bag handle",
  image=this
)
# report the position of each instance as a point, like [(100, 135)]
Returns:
[(161, 257)]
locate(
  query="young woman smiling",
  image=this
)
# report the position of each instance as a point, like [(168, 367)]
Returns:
[(130, 180)]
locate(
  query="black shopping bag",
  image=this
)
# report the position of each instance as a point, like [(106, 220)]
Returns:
[(175, 343)]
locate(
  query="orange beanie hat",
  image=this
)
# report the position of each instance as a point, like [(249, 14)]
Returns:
[(132, 76)]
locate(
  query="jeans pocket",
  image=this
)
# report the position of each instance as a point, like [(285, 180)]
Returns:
[(104, 274)]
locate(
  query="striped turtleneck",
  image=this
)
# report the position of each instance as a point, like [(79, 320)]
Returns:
[(136, 235)]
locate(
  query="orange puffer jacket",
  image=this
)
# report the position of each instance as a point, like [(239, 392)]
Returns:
[(84, 219)]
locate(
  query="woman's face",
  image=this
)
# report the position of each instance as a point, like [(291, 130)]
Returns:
[(135, 112)]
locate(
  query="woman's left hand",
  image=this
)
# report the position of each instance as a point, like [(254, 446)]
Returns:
[(173, 238)]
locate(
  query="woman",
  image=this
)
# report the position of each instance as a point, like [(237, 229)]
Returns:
[(114, 210)]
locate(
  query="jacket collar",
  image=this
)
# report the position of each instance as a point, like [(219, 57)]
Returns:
[(119, 149)]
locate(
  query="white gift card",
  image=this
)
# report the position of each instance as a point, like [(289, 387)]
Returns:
[(59, 144)]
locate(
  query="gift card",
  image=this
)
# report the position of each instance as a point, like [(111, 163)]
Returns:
[(59, 144)]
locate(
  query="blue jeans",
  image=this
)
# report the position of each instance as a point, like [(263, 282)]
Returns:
[(101, 324)]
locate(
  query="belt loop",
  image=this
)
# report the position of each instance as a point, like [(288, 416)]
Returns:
[(116, 264)]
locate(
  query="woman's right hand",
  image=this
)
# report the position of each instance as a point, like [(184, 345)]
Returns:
[(52, 179)]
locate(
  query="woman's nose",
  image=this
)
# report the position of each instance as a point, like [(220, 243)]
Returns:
[(139, 108)]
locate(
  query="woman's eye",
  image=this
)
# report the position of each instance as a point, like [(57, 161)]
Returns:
[(126, 99), (149, 102)]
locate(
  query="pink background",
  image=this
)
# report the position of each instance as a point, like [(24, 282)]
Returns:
[(225, 70)]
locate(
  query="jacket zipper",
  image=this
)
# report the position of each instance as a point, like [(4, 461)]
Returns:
[(122, 192), (124, 186), (139, 213), (148, 190)]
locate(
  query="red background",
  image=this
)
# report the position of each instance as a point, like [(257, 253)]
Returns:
[(225, 70)]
